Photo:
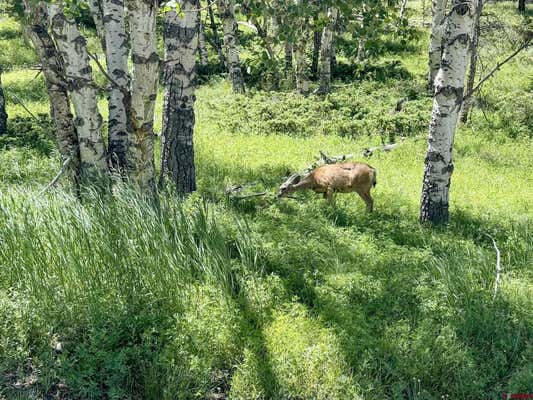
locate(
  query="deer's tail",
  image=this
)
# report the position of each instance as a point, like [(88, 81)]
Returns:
[(374, 176)]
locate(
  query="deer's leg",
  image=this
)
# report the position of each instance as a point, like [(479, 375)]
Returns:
[(365, 195), (329, 194)]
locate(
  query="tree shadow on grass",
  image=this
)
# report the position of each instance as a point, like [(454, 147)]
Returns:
[(378, 299)]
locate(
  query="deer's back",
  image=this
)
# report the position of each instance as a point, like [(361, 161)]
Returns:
[(344, 177)]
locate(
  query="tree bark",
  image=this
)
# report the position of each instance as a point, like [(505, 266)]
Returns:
[(226, 9), (446, 105), (467, 104), (97, 12), (181, 44), (262, 31), (3, 113), (216, 38), (78, 72), (201, 43), (302, 73), (403, 8), (361, 52), (140, 153), (522, 5), (438, 11), (325, 52), (317, 42), (116, 51), (288, 55), (54, 74)]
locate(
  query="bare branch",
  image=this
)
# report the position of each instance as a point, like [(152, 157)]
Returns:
[(19, 101), (496, 68), (64, 167), (123, 89), (499, 269)]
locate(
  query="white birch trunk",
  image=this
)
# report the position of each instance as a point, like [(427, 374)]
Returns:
[(54, 74), (116, 51), (403, 7), (446, 106), (88, 121), (201, 44), (140, 153), (472, 67), (226, 10), (181, 33), (438, 10), (300, 56), (326, 50), (97, 12)]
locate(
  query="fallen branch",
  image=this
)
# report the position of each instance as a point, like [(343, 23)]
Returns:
[(496, 68), (64, 167), (499, 269), (388, 147), (18, 101), (246, 196)]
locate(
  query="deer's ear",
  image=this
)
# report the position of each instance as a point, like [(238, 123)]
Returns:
[(298, 179)]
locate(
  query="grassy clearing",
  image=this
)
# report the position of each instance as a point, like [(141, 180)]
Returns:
[(288, 299)]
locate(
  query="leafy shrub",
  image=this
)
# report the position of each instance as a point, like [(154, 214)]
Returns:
[(27, 132), (341, 113)]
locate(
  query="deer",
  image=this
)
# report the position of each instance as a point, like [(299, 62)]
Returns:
[(330, 178)]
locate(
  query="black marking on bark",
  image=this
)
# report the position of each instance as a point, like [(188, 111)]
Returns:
[(433, 156), (80, 41), (462, 8), (448, 169), (78, 121), (86, 71), (449, 91)]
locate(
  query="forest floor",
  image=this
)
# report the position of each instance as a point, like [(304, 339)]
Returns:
[(215, 297)]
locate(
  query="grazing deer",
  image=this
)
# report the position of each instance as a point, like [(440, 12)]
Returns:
[(330, 178)]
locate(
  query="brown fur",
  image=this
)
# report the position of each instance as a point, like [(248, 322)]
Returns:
[(343, 178)]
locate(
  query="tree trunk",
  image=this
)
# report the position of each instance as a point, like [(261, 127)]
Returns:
[(403, 8), (446, 105), (325, 52), (333, 56), (201, 43), (262, 31), (216, 38), (288, 55), (302, 73), (361, 49), (3, 113), (181, 43), (438, 10), (79, 78), (54, 74), (317, 36), (117, 68), (226, 9), (97, 12), (467, 104), (140, 153), (522, 5)]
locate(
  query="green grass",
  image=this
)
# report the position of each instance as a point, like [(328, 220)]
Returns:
[(275, 299)]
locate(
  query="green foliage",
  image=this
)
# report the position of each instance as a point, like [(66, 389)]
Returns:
[(13, 50), (365, 109), (29, 133)]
